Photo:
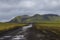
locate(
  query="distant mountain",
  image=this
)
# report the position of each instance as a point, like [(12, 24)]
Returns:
[(20, 19), (36, 18), (51, 15)]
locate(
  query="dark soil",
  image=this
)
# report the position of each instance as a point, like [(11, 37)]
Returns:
[(33, 34)]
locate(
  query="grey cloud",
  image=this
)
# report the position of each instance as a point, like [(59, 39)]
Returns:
[(12, 8)]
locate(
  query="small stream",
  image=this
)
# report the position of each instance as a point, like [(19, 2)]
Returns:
[(18, 34), (21, 35)]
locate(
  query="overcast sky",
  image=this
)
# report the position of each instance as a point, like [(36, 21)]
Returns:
[(12, 8)]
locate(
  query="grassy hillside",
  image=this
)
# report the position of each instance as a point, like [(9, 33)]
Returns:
[(20, 19)]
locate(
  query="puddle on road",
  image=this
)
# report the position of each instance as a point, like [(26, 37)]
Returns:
[(4, 37), (18, 37), (7, 36)]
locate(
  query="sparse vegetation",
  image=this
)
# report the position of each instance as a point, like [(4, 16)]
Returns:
[(9, 26), (52, 27)]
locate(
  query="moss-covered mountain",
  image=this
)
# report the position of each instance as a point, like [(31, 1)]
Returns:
[(20, 19), (36, 18)]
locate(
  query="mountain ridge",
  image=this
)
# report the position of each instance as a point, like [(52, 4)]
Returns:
[(35, 18)]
